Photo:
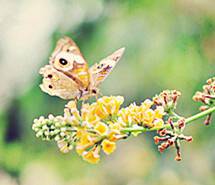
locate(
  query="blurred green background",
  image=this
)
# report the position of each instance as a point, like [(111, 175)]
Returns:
[(169, 44)]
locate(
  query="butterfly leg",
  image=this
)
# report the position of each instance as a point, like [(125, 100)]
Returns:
[(81, 97), (76, 100)]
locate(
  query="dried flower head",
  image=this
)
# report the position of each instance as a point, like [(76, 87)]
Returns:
[(207, 97), (172, 137), (167, 99)]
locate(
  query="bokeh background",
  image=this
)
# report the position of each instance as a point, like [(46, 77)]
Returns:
[(169, 44)]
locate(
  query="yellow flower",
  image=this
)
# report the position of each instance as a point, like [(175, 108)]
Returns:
[(118, 101), (136, 113), (85, 140), (124, 115), (71, 105), (108, 106), (158, 123), (88, 114), (159, 112), (116, 126), (112, 135), (148, 118), (108, 146), (92, 156), (116, 135), (100, 111), (70, 119), (101, 128), (85, 110), (115, 129), (146, 104)]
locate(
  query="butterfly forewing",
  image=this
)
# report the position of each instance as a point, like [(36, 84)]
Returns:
[(101, 70), (68, 59)]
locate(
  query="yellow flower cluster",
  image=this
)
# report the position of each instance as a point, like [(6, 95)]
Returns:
[(95, 126), (98, 126), (142, 115)]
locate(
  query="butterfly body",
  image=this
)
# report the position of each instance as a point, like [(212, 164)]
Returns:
[(68, 76)]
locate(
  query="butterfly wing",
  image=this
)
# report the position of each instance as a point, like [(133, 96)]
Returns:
[(58, 84), (101, 70), (68, 59)]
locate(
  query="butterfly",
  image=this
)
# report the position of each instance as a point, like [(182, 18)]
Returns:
[(68, 76)]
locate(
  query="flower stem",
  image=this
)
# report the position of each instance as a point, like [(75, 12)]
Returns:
[(199, 115), (175, 115), (187, 121)]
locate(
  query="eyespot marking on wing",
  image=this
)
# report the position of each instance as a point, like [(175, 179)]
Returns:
[(68, 59)]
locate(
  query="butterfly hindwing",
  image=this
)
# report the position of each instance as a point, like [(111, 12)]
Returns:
[(101, 70), (58, 84)]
